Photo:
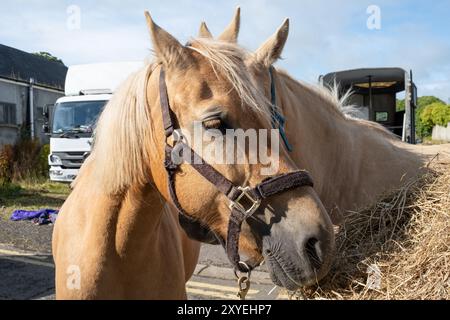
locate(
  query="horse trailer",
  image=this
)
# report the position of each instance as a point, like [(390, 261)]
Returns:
[(373, 97)]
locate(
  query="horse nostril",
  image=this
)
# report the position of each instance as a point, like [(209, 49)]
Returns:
[(268, 252), (312, 248)]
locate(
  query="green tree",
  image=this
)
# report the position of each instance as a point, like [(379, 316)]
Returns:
[(48, 56), (437, 113), (427, 100), (424, 124), (421, 102), (400, 105), (441, 114)]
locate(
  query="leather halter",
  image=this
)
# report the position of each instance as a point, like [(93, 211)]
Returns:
[(278, 121), (244, 201)]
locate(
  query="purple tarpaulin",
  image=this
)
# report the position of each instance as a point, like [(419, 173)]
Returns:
[(44, 216)]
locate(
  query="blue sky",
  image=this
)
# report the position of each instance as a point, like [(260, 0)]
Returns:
[(324, 36)]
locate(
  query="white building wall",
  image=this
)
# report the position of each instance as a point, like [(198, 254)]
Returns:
[(441, 133)]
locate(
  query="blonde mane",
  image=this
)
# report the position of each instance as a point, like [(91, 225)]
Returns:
[(119, 156), (227, 58)]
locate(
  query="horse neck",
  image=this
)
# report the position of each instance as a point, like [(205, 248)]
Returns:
[(134, 245), (139, 209), (153, 245), (352, 162), (141, 215)]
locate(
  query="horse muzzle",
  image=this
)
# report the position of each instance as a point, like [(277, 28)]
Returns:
[(293, 267), (299, 250)]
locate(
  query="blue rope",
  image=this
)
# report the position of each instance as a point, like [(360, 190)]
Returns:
[(278, 121)]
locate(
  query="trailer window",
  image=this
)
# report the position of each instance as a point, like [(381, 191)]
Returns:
[(381, 116)]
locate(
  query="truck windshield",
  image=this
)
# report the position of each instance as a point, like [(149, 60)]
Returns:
[(76, 116)]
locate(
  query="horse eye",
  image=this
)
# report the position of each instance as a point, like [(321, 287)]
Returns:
[(213, 124)]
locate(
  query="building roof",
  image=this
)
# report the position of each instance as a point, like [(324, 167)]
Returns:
[(21, 66)]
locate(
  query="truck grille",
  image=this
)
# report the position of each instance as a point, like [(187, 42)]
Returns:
[(71, 160)]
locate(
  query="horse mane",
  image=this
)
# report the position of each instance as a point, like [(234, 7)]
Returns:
[(227, 59), (120, 156)]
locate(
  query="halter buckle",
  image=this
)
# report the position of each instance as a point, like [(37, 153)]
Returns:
[(245, 202)]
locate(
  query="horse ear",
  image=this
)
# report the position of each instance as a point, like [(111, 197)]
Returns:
[(204, 31), (270, 51), (166, 47), (231, 32)]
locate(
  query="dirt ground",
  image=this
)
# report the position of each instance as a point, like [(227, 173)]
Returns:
[(29, 196)]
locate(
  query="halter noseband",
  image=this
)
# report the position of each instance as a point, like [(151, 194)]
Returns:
[(244, 201)]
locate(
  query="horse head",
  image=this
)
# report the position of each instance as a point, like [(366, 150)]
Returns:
[(208, 85)]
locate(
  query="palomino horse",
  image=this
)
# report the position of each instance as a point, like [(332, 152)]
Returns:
[(114, 240)]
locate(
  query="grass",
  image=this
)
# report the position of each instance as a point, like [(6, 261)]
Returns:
[(31, 195)]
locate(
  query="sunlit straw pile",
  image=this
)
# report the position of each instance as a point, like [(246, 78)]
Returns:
[(398, 249)]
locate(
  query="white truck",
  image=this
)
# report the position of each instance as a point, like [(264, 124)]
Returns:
[(73, 118)]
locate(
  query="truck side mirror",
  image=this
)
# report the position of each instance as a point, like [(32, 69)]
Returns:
[(46, 128)]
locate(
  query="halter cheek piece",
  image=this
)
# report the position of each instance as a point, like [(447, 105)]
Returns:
[(278, 121), (244, 201)]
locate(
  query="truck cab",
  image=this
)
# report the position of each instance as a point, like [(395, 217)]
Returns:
[(73, 118), (73, 124)]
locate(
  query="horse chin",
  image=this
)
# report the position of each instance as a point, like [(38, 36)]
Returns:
[(291, 280)]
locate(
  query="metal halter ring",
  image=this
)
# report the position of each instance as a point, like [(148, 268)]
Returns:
[(242, 263), (176, 137)]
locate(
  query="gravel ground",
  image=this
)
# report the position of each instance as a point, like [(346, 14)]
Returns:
[(24, 235)]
